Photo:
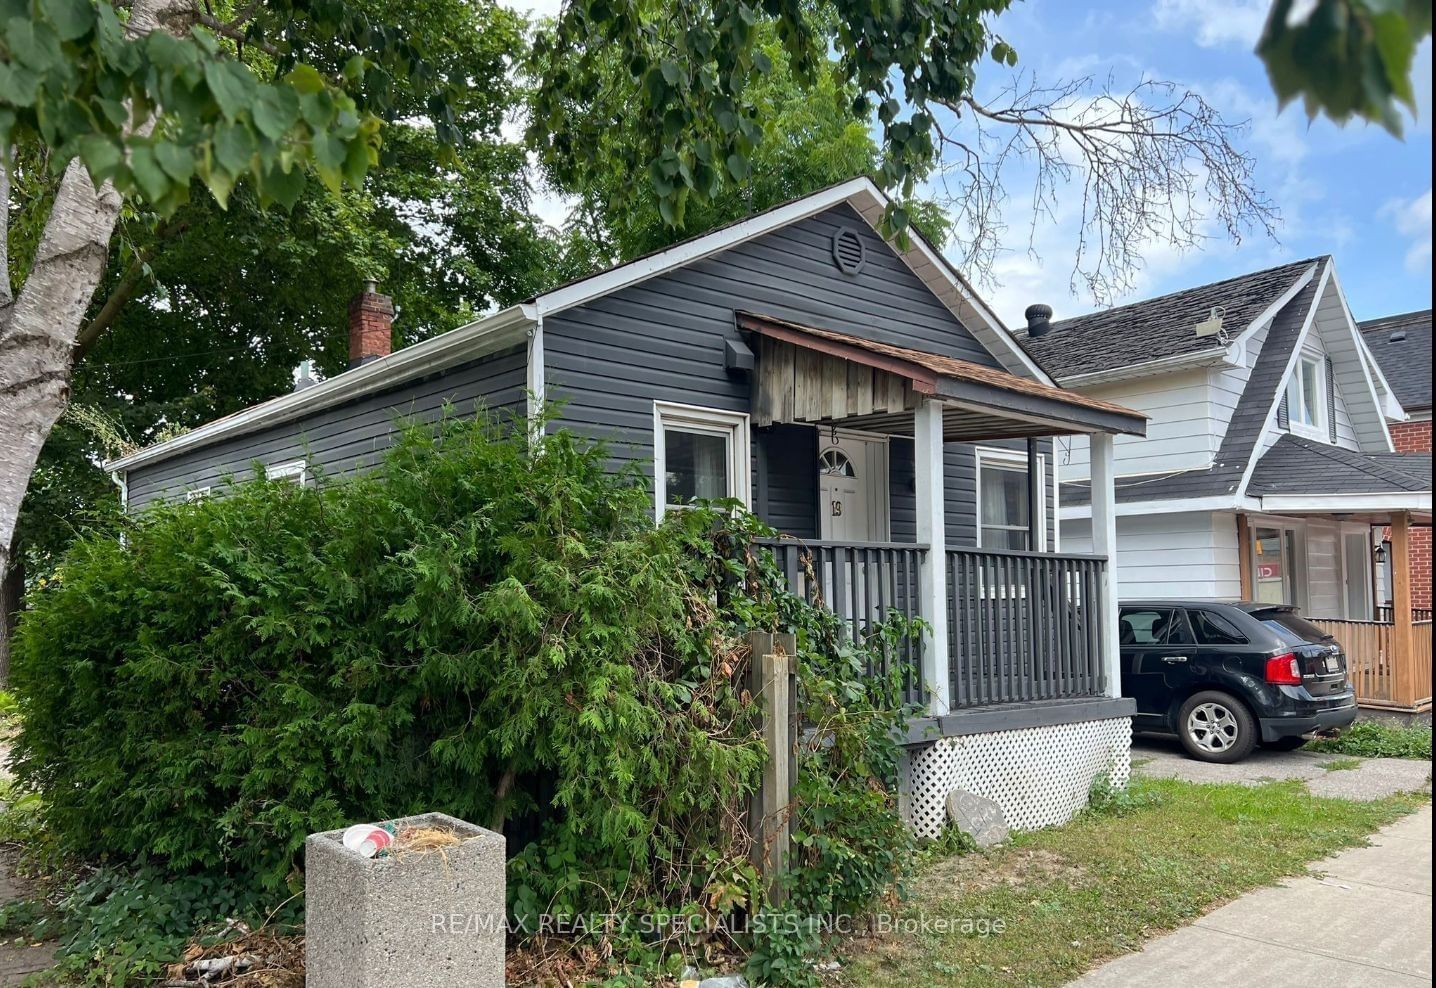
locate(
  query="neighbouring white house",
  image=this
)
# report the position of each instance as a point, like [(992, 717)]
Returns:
[(1267, 460)]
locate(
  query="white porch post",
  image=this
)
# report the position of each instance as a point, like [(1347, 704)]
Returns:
[(1104, 543), (931, 530)]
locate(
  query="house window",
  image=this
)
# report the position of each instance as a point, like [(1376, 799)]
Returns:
[(294, 470), (196, 494), (1002, 500), (699, 454), (1306, 396)]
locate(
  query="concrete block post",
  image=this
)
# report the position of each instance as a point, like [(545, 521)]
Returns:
[(417, 920)]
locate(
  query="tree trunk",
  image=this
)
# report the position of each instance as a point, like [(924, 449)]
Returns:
[(12, 588), (38, 330)]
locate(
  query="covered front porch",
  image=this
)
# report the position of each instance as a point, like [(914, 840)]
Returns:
[(1318, 543), (1331, 566), (958, 532)]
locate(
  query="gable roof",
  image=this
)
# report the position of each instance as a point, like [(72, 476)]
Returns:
[(1295, 465), (1401, 345), (1160, 328), (512, 326), (1245, 427)]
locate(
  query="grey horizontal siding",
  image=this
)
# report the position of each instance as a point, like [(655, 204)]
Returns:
[(609, 360), (342, 440)]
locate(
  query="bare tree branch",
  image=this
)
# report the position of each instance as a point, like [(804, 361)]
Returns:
[(1156, 163)]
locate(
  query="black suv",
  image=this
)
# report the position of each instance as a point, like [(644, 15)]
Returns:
[(1224, 676)]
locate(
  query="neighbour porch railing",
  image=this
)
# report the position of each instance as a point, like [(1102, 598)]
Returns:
[(861, 583), (1384, 613), (1372, 664), (1023, 626)]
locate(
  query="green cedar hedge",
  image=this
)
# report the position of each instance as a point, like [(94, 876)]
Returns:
[(478, 628)]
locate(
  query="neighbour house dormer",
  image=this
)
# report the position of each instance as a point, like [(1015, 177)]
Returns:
[(1224, 371)]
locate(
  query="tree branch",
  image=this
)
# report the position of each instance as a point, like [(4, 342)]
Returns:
[(124, 290), (7, 293), (1155, 163)]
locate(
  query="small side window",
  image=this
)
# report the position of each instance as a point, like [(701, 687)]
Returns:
[(1213, 629), (294, 471), (196, 494)]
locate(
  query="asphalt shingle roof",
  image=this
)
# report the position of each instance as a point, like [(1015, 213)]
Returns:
[(1157, 327), (1301, 466), (1405, 362), (1243, 430)]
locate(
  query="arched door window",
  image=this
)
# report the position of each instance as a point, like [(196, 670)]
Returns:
[(835, 463)]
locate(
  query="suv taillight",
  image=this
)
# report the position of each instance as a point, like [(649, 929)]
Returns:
[(1283, 670)]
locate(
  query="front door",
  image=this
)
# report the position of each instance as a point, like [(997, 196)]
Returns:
[(1356, 575), (852, 488)]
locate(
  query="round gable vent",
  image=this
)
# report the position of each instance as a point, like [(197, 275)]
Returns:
[(849, 254)]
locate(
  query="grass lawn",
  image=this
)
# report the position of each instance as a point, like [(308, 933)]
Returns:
[(1070, 897)]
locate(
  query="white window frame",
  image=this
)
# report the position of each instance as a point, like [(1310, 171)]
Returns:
[(196, 494), (1016, 461), (294, 470), (731, 426), (1308, 360)]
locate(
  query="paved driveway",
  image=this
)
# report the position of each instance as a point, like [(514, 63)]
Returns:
[(1325, 775), (1362, 920)]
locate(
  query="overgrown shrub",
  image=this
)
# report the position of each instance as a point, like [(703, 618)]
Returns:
[(478, 627)]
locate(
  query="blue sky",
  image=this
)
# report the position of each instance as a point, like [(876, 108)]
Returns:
[(1354, 192)]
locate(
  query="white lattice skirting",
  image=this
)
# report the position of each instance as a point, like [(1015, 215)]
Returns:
[(1040, 776)]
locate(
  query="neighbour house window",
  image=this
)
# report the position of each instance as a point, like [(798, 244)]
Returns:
[(1213, 629), (1306, 396), (699, 454), (196, 494), (1002, 500), (293, 470)]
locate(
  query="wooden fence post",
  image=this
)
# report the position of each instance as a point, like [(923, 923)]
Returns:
[(772, 687), (1402, 636)]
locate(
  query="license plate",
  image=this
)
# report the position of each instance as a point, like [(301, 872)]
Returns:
[(1332, 665)]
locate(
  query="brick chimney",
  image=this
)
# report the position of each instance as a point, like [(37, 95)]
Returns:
[(371, 322)]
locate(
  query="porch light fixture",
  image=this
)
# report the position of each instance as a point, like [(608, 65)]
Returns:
[(1379, 553)]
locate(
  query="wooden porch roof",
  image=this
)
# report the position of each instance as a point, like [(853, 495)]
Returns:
[(982, 402)]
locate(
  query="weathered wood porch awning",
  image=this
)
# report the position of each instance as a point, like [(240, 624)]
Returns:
[(812, 375)]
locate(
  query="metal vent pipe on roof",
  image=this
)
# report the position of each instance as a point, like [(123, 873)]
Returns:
[(1039, 320)]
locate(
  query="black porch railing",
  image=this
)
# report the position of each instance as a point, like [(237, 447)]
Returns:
[(1023, 626), (861, 583)]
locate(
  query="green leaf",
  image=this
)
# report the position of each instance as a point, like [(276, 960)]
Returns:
[(234, 146), (305, 79), (275, 110), (101, 155), (150, 177), (71, 18), (177, 162), (232, 86)]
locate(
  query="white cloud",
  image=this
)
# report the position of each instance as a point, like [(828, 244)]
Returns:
[(1215, 23), (1412, 219)]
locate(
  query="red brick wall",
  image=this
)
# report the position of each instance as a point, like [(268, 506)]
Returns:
[(1415, 437)]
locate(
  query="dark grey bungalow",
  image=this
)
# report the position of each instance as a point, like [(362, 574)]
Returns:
[(858, 396)]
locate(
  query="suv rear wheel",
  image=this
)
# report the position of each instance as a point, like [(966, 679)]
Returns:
[(1216, 727)]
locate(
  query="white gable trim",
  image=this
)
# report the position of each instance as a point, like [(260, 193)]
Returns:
[(870, 203), (1269, 313), (1270, 417), (1370, 370)]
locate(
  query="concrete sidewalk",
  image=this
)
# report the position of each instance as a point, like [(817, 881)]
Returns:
[(1364, 923)]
